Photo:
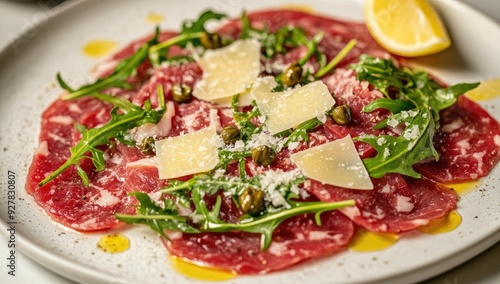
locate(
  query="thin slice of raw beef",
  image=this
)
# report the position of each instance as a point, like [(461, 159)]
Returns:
[(468, 144), (66, 199), (296, 239), (394, 205)]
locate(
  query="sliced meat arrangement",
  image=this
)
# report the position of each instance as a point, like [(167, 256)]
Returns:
[(468, 145), (295, 240)]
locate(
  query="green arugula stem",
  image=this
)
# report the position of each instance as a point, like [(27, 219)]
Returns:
[(120, 75), (174, 40), (325, 70), (208, 183), (301, 208), (300, 133), (119, 102), (312, 47)]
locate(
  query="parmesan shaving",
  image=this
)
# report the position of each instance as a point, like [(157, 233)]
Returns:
[(228, 71), (289, 108), (187, 154), (336, 163)]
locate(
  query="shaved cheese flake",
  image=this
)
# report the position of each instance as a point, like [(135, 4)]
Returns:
[(289, 108), (228, 71), (336, 163), (264, 84), (245, 99), (261, 84), (187, 154)]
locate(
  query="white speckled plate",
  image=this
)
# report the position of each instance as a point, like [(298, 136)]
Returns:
[(27, 72)]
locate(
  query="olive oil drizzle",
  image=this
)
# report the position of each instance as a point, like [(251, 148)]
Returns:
[(463, 188), (99, 48), (200, 272), (114, 243), (366, 241), (155, 18), (443, 225)]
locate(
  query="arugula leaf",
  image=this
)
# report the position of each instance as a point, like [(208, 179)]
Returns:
[(299, 133), (235, 185), (397, 154), (211, 185), (243, 119), (416, 106), (156, 217), (280, 41), (94, 137), (226, 156), (264, 224), (191, 32), (447, 97), (197, 26), (157, 53), (394, 106), (123, 70), (118, 102), (381, 73), (208, 220)]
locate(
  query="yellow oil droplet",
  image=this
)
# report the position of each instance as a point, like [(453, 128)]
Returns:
[(443, 225), (99, 48), (199, 272), (299, 7), (487, 90), (463, 187), (366, 241), (114, 243), (155, 18)]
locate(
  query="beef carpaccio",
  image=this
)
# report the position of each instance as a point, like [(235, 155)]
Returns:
[(255, 210)]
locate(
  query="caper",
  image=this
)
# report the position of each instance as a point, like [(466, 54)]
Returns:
[(148, 145), (263, 155), (211, 40), (181, 93), (251, 200), (292, 75), (341, 114), (112, 148), (230, 134)]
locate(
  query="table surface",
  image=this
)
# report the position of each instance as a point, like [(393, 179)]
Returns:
[(17, 16)]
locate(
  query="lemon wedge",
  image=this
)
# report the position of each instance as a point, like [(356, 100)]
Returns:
[(407, 28)]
